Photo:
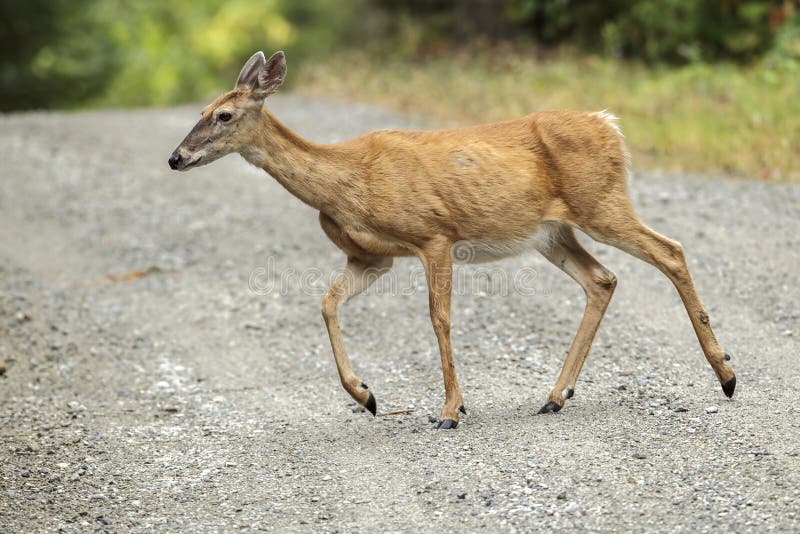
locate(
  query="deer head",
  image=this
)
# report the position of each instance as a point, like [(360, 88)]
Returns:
[(227, 124)]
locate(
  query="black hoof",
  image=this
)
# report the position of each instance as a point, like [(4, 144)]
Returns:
[(371, 405), (462, 409), (729, 387), (445, 424), (550, 407)]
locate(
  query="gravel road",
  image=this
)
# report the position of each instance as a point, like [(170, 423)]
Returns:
[(183, 394)]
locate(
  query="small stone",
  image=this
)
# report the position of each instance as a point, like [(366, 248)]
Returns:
[(75, 406), (25, 473), (2, 369), (639, 456), (571, 507), (562, 496), (712, 409), (462, 496), (680, 409)]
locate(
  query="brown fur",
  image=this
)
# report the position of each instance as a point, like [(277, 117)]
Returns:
[(404, 193)]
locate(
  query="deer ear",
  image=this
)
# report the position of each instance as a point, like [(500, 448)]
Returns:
[(248, 77), (271, 75)]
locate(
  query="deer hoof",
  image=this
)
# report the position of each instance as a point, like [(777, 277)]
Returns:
[(550, 407), (445, 424), (371, 405), (729, 386)]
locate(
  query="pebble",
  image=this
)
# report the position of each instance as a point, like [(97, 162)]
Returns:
[(571, 507), (712, 409), (639, 456)]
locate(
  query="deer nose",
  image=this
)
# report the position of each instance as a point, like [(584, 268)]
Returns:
[(174, 160)]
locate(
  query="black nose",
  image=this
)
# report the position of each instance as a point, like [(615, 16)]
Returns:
[(174, 160)]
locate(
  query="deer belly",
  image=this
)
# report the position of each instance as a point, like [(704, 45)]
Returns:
[(482, 251)]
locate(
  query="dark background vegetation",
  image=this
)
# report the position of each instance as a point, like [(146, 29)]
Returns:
[(70, 53)]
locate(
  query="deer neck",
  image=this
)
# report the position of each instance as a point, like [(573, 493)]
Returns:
[(314, 173)]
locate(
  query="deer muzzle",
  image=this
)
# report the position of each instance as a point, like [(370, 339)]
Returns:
[(180, 161)]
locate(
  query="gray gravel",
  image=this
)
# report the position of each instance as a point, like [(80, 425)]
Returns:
[(185, 401)]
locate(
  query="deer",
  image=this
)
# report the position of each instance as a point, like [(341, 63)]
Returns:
[(488, 192)]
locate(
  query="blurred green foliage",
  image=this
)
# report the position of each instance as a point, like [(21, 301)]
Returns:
[(62, 53), (67, 53), (47, 56), (656, 31)]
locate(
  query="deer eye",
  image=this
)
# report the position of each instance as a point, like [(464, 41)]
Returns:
[(224, 117)]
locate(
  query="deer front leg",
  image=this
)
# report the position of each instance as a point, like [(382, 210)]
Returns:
[(358, 275), (439, 271)]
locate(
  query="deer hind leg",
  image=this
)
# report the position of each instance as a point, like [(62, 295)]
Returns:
[(358, 275), (439, 270), (631, 235), (564, 251)]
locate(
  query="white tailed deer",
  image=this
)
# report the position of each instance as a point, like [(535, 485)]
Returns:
[(498, 189)]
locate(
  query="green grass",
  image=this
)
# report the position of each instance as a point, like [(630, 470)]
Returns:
[(742, 121)]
